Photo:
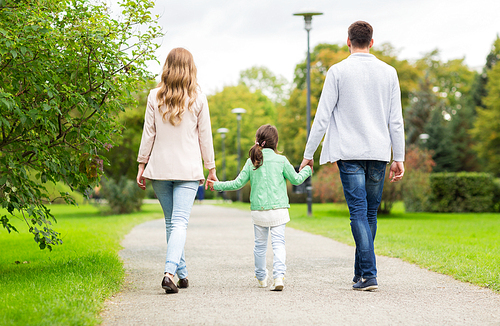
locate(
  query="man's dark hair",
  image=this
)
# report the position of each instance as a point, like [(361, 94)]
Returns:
[(360, 33)]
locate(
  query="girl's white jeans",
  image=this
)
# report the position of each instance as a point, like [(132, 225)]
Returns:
[(260, 249)]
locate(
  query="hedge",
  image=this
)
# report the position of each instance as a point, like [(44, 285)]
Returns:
[(462, 192)]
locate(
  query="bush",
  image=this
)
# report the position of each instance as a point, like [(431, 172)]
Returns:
[(327, 187), (462, 192), (124, 196), (496, 196), (416, 189)]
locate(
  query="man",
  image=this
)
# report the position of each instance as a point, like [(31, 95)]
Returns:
[(360, 111)]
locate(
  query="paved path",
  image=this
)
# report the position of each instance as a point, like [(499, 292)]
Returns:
[(223, 290)]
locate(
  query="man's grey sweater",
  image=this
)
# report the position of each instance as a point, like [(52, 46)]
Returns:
[(360, 110)]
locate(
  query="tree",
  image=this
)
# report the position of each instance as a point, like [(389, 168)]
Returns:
[(126, 144), (478, 88), (439, 107), (66, 69), (261, 78), (440, 143), (487, 125), (260, 110)]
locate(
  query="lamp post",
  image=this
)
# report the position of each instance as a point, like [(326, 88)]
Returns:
[(223, 132), (308, 14), (239, 112)]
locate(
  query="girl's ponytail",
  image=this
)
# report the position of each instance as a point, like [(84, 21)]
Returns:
[(256, 155), (266, 137)]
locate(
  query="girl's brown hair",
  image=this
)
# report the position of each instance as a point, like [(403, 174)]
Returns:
[(265, 137), (178, 84)]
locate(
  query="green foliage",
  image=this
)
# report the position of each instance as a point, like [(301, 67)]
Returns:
[(261, 78), (486, 129), (440, 143), (126, 145), (478, 88), (462, 192), (123, 196), (260, 110), (464, 246), (440, 107), (67, 286), (66, 69)]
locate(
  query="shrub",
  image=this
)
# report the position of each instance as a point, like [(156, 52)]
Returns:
[(496, 195), (462, 192), (327, 187), (124, 196), (415, 185)]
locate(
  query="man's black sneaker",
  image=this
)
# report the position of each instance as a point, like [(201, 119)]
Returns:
[(356, 279), (366, 284)]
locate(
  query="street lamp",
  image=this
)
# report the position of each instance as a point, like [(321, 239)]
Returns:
[(308, 19), (239, 112), (223, 132)]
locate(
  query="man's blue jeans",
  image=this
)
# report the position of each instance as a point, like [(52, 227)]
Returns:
[(176, 199), (363, 183)]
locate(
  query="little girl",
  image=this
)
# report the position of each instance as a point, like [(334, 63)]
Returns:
[(267, 172)]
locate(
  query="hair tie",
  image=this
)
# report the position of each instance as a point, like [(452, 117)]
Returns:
[(257, 143)]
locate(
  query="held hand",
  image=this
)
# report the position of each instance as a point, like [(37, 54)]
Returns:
[(306, 162), (210, 184), (397, 171), (141, 181), (212, 177)]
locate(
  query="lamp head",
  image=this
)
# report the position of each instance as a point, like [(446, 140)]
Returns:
[(308, 17)]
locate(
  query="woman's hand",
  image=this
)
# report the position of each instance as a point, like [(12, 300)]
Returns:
[(141, 181), (212, 177)]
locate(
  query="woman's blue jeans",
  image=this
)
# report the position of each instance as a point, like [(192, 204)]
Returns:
[(363, 183), (176, 199)]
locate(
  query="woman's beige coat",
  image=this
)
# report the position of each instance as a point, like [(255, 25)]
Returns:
[(176, 152)]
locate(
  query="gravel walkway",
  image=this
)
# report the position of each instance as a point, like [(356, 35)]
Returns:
[(318, 289)]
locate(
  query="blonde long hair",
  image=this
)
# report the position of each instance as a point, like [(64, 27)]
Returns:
[(178, 83)]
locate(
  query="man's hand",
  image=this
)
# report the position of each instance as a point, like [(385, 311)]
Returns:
[(397, 171), (141, 181), (212, 177), (306, 162)]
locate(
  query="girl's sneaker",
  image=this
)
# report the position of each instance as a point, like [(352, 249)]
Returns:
[(263, 283), (278, 284)]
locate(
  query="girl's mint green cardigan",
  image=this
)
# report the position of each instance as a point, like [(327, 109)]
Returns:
[(268, 182)]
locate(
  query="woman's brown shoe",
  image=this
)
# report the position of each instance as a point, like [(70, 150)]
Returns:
[(183, 283), (168, 285)]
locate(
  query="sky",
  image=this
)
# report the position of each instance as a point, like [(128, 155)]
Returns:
[(229, 36)]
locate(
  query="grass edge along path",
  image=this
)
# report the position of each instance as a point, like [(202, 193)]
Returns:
[(462, 245), (69, 285)]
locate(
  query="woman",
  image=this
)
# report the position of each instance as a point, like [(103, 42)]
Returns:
[(177, 135)]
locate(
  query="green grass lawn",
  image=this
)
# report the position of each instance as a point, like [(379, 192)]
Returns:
[(465, 246), (67, 286)]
